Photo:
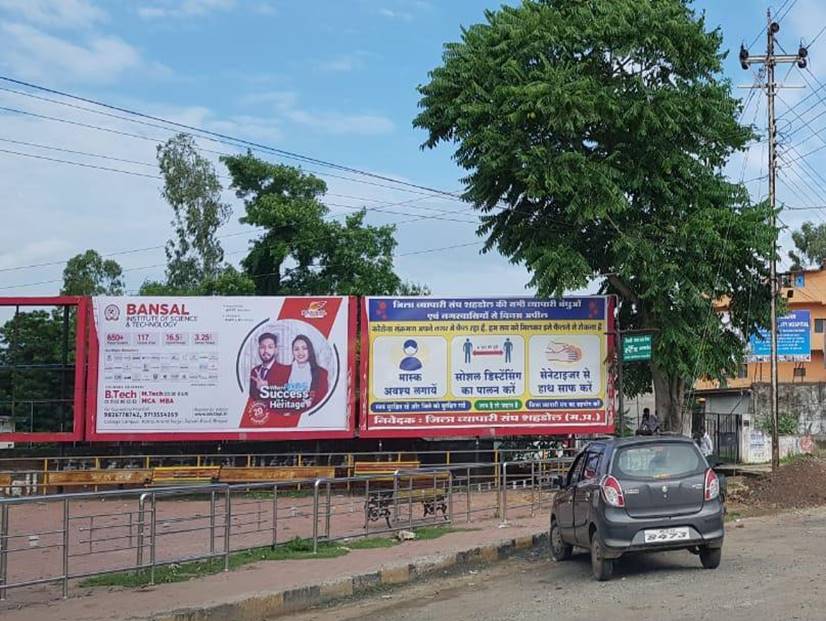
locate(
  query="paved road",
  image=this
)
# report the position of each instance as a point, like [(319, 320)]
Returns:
[(773, 568)]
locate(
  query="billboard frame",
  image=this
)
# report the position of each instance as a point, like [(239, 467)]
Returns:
[(77, 434), (92, 434), (495, 431)]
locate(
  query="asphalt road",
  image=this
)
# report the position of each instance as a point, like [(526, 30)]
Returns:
[(773, 567)]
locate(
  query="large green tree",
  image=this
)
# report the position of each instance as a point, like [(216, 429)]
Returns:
[(301, 251), (593, 134), (810, 246), (90, 274)]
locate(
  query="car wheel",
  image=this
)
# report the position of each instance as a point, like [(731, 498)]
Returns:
[(560, 551), (710, 557), (602, 568)]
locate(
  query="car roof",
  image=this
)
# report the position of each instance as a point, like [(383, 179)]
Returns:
[(635, 440)]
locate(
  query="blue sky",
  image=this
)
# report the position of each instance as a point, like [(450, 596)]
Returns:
[(331, 79)]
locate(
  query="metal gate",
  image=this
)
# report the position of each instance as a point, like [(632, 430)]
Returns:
[(724, 430)]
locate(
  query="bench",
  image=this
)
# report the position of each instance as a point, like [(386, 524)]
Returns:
[(230, 474), (185, 475), (96, 477), (413, 487)]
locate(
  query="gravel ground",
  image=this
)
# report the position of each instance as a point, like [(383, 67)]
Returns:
[(772, 568)]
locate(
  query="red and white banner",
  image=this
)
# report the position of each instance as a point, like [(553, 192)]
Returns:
[(223, 367)]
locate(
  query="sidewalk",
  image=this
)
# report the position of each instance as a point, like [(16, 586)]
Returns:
[(270, 588)]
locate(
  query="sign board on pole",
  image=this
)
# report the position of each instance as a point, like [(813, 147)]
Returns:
[(222, 368), (636, 347), (486, 366), (793, 340)]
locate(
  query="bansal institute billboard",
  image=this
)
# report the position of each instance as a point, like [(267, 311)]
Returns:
[(222, 367)]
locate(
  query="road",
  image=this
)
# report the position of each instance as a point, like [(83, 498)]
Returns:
[(773, 568)]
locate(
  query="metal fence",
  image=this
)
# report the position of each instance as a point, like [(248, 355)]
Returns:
[(57, 539)]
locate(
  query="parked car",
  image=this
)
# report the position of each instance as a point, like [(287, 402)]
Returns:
[(643, 493)]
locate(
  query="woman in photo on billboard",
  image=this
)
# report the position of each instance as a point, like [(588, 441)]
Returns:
[(305, 373)]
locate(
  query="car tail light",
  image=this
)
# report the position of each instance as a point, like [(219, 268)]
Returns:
[(712, 487), (612, 491)]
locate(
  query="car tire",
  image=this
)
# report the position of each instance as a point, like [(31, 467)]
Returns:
[(710, 557), (602, 568), (560, 551)]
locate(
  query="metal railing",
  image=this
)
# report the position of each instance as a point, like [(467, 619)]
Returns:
[(58, 539)]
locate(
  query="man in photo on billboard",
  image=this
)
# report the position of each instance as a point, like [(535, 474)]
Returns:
[(266, 373)]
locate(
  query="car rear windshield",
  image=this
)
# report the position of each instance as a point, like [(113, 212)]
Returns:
[(658, 461)]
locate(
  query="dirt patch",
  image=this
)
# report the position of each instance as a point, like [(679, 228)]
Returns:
[(796, 485)]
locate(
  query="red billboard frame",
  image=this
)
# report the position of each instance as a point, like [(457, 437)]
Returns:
[(496, 431), (79, 393), (350, 432)]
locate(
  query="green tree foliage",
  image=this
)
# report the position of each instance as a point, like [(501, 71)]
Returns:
[(810, 246), (301, 252), (36, 373), (192, 189), (594, 134), (89, 274)]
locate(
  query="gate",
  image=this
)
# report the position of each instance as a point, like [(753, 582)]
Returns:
[(724, 430)]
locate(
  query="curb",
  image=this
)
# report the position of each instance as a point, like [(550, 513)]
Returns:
[(262, 605)]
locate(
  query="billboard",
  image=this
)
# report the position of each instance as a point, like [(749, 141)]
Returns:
[(486, 366), (793, 340), (222, 368)]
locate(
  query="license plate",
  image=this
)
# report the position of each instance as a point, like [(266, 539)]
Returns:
[(666, 535)]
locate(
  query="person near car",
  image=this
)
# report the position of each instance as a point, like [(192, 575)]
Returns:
[(704, 442), (649, 424)]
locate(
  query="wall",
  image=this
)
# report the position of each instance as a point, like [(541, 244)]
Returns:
[(756, 446), (805, 402)]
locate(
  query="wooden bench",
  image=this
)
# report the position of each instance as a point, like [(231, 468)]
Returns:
[(5, 483), (96, 477), (185, 475), (427, 489), (275, 473)]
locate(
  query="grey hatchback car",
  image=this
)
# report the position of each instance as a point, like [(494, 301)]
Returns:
[(645, 493)]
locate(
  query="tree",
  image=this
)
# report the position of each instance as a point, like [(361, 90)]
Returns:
[(88, 274), (192, 189), (810, 245), (594, 134), (301, 252)]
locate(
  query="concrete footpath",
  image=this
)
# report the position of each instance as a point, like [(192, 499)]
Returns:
[(271, 588)]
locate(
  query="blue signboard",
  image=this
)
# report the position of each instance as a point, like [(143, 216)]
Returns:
[(794, 342)]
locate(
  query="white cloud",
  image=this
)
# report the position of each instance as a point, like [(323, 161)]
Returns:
[(339, 64), (54, 13), (34, 53), (188, 8), (286, 105), (394, 14)]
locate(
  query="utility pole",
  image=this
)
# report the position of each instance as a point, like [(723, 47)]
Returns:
[(770, 61)]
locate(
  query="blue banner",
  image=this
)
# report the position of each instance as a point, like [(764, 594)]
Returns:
[(484, 309), (794, 343)]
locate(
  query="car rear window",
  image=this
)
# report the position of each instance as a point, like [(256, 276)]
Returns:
[(657, 461)]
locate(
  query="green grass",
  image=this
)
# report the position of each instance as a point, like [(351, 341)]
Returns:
[(792, 459), (372, 543), (732, 515), (179, 572), (434, 532)]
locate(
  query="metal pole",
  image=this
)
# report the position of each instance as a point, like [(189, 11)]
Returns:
[(4, 550), (410, 502), (139, 544), (327, 512), (450, 496), (770, 86), (274, 515), (620, 376), (212, 522), (227, 525), (366, 503), (396, 496), (65, 548), (153, 533), (467, 496), (533, 485), (315, 516), (504, 508), (91, 531)]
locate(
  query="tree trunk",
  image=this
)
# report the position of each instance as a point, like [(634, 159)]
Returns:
[(669, 399)]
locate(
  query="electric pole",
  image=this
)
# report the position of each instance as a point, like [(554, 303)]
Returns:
[(770, 61)]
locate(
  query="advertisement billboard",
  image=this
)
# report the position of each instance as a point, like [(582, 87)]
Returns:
[(486, 366), (793, 340), (222, 367)]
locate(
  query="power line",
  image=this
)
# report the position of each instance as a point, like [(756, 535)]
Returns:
[(94, 166), (223, 136)]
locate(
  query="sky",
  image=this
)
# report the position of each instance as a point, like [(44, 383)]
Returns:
[(334, 80)]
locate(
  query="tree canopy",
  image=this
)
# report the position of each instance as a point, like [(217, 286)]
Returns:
[(594, 136), (89, 274), (810, 246), (301, 251)]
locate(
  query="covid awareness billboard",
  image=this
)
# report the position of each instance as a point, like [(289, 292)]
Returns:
[(486, 366), (222, 368)]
